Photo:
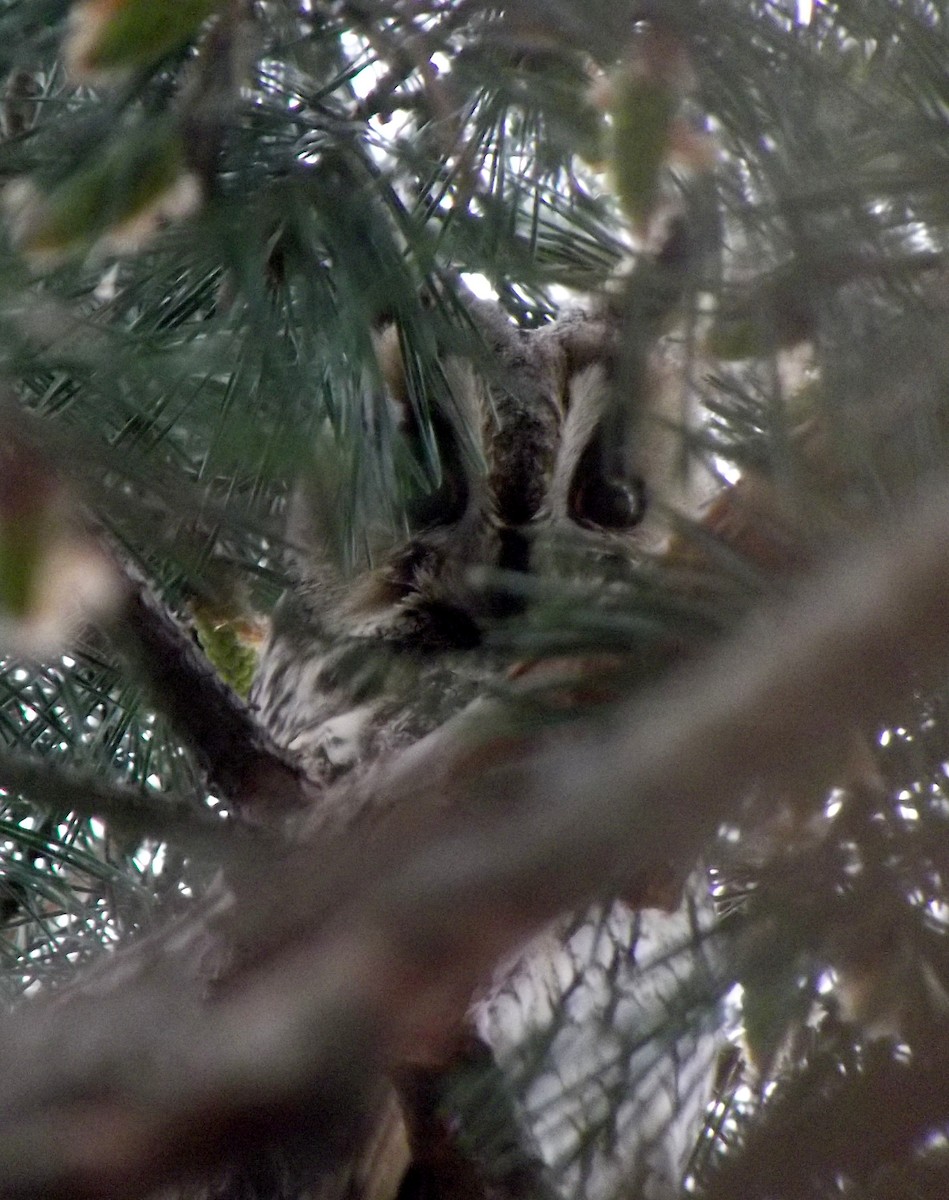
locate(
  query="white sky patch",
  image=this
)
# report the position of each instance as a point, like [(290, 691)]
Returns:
[(479, 285), (356, 49), (805, 11), (150, 857), (827, 983), (744, 1094)]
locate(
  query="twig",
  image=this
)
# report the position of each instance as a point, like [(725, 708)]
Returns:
[(238, 757), (154, 814), (296, 1038)]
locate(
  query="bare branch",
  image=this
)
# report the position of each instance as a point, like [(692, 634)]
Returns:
[(239, 758), (137, 810), (413, 929)]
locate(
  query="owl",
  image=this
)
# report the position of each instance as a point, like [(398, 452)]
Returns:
[(595, 1047)]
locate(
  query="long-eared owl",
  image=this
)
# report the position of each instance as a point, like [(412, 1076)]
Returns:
[(602, 1029)]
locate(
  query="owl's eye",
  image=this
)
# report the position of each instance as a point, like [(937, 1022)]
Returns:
[(609, 505), (601, 494)]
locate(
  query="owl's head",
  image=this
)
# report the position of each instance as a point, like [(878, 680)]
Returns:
[(530, 445)]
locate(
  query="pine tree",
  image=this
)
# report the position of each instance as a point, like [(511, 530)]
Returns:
[(225, 224)]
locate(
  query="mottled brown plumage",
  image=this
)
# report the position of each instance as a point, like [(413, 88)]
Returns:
[(532, 438)]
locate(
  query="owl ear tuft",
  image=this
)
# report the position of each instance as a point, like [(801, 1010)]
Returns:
[(439, 419)]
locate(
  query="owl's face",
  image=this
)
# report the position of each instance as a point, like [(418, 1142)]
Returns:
[(534, 457), (532, 446)]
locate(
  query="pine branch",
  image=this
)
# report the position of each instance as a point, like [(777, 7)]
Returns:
[(166, 817), (422, 912), (239, 758)]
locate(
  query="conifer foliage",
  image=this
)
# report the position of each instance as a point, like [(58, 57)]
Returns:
[(226, 226)]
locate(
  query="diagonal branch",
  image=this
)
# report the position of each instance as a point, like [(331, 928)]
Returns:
[(389, 936), (238, 757), (160, 815)]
